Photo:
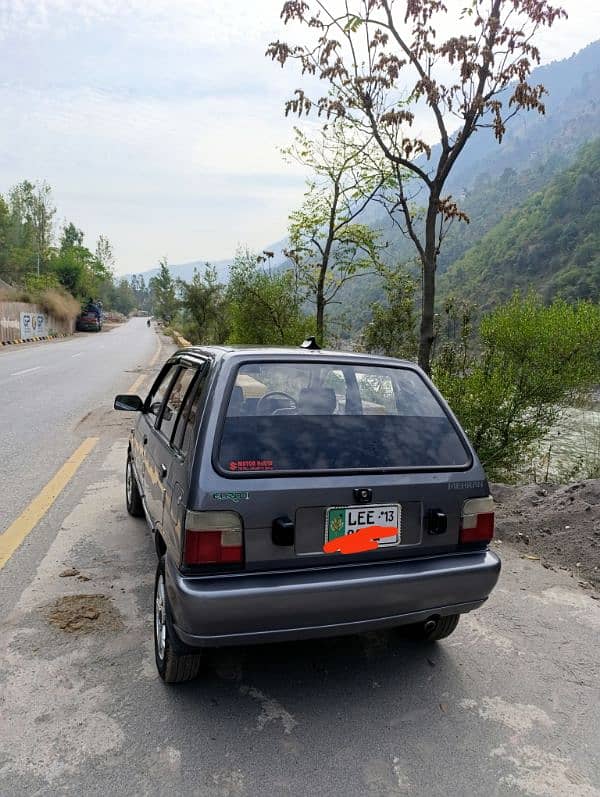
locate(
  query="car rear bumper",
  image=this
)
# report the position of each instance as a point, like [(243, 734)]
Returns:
[(251, 608)]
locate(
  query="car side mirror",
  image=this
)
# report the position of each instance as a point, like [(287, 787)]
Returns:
[(128, 403), (155, 408)]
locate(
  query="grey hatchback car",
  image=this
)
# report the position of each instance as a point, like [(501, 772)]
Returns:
[(296, 493)]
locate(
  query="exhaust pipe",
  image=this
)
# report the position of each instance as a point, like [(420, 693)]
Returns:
[(429, 626)]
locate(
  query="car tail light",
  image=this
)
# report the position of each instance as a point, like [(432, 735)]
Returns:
[(477, 524), (213, 538)]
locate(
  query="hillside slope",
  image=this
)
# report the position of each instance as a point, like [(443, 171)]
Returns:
[(551, 242)]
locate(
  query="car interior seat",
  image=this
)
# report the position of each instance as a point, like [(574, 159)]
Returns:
[(317, 401), (236, 401)]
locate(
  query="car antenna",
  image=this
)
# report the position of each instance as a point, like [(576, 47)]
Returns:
[(310, 343)]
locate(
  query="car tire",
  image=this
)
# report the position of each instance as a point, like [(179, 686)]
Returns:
[(174, 661), (133, 499), (443, 628)]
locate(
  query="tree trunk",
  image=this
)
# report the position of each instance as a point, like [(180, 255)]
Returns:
[(428, 262), (321, 307)]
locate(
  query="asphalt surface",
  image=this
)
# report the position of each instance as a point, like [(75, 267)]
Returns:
[(507, 705), (47, 391)]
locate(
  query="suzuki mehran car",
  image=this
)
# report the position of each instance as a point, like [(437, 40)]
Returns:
[(297, 493)]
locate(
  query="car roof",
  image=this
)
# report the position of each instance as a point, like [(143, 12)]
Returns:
[(251, 353)]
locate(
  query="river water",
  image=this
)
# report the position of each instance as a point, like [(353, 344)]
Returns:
[(571, 450)]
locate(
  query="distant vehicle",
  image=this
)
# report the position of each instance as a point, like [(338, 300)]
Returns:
[(90, 320), (298, 493)]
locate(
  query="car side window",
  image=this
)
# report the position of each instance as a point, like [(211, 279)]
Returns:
[(187, 424), (159, 390), (175, 401)]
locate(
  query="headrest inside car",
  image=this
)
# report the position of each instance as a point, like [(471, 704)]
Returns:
[(317, 401)]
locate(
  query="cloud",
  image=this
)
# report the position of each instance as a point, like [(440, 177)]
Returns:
[(159, 123)]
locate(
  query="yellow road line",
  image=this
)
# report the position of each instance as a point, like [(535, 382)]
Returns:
[(137, 383), (140, 380), (156, 354), (14, 535)]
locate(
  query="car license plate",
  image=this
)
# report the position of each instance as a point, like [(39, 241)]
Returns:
[(342, 520)]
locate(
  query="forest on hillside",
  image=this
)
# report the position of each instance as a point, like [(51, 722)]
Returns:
[(551, 242)]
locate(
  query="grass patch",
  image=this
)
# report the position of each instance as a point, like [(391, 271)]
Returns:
[(57, 302)]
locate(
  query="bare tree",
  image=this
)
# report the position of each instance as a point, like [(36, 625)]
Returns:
[(383, 64)]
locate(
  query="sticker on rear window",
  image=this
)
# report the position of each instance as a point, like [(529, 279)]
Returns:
[(237, 465)]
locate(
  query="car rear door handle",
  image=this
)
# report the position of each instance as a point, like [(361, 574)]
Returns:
[(163, 471)]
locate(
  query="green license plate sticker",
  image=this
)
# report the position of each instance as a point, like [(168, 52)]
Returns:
[(342, 520)]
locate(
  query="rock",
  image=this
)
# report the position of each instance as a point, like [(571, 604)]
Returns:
[(70, 571)]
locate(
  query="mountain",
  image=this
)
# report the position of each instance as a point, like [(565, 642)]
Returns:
[(185, 271), (535, 146), (551, 242), (489, 180)]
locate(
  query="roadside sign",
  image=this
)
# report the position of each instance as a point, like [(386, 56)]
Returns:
[(33, 325)]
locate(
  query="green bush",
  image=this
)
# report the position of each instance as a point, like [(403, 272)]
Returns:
[(533, 361), (265, 307)]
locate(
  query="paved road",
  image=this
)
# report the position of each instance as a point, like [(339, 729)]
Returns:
[(507, 705), (47, 389)]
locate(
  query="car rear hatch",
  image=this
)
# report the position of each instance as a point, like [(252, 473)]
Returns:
[(331, 464)]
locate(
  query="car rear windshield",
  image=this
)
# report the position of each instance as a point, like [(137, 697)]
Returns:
[(289, 416)]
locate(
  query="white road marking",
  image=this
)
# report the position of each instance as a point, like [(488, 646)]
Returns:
[(77, 355), (27, 370)]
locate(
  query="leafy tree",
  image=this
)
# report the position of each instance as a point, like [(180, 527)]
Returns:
[(141, 292), (104, 253), (33, 210), (74, 269), (533, 359), (4, 233), (71, 236), (392, 330), (121, 297), (265, 307), (27, 230), (328, 244), (164, 297), (204, 307), (372, 57)]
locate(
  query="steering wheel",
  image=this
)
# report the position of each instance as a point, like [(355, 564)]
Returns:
[(261, 406)]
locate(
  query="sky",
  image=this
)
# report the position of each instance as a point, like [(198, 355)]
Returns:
[(159, 123)]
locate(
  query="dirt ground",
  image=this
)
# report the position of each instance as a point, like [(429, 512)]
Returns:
[(84, 614), (558, 524)]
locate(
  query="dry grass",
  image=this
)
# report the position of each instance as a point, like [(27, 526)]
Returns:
[(8, 294), (56, 301), (60, 304)]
